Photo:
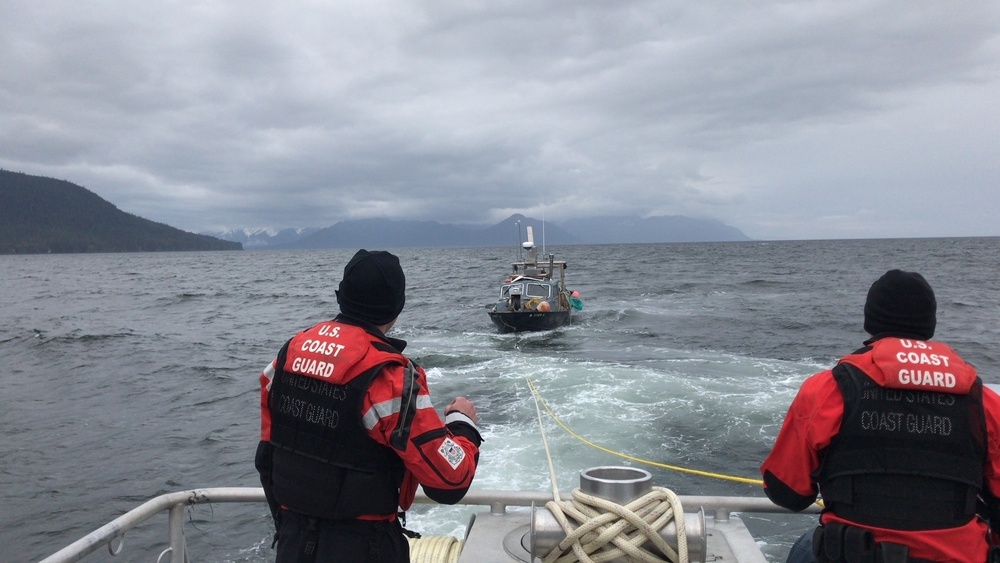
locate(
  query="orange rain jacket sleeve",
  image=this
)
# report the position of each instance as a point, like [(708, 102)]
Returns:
[(441, 456)]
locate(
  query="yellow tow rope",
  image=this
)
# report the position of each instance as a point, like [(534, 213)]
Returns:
[(636, 459)]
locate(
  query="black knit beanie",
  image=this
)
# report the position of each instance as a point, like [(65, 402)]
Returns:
[(373, 288), (901, 304)]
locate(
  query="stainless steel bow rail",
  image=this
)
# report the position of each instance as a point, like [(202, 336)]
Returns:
[(112, 534)]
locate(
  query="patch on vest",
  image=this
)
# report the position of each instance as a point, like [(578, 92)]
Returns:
[(452, 453)]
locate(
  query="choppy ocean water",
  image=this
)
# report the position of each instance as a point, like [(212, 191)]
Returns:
[(130, 375)]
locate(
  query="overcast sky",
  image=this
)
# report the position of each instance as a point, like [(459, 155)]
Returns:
[(786, 119)]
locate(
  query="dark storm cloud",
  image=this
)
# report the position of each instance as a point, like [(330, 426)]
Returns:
[(785, 119)]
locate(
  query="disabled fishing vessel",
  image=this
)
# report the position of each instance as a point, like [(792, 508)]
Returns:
[(533, 295)]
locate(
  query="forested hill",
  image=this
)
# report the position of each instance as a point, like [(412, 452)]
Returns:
[(43, 215)]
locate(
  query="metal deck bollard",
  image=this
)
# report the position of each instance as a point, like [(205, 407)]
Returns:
[(620, 485)]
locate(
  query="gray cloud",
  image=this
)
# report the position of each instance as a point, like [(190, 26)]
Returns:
[(815, 119)]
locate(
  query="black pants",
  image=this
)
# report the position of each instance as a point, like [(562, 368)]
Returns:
[(302, 539)]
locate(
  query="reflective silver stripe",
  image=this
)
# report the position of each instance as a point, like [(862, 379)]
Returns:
[(389, 408), (456, 416), (269, 374), (380, 411)]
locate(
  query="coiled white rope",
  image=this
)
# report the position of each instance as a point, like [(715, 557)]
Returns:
[(612, 531), (435, 549), (602, 522)]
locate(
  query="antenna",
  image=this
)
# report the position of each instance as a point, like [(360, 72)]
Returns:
[(543, 232), (517, 227)]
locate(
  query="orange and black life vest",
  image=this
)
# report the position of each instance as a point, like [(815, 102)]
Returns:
[(905, 459), (324, 463)]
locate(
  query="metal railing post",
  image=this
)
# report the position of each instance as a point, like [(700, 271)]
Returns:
[(178, 549)]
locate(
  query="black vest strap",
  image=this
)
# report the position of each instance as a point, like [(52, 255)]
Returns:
[(839, 543)]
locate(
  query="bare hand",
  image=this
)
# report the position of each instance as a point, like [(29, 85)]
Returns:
[(464, 406)]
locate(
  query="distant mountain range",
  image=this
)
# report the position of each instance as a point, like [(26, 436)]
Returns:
[(388, 233), (255, 238), (41, 215), (45, 215)]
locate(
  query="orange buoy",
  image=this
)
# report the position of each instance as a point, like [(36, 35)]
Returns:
[(544, 307)]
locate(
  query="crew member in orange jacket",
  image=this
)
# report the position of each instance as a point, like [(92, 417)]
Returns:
[(348, 430), (901, 439)]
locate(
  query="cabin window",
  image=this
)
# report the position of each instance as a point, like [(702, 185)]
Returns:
[(537, 290), (514, 288), (527, 291)]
